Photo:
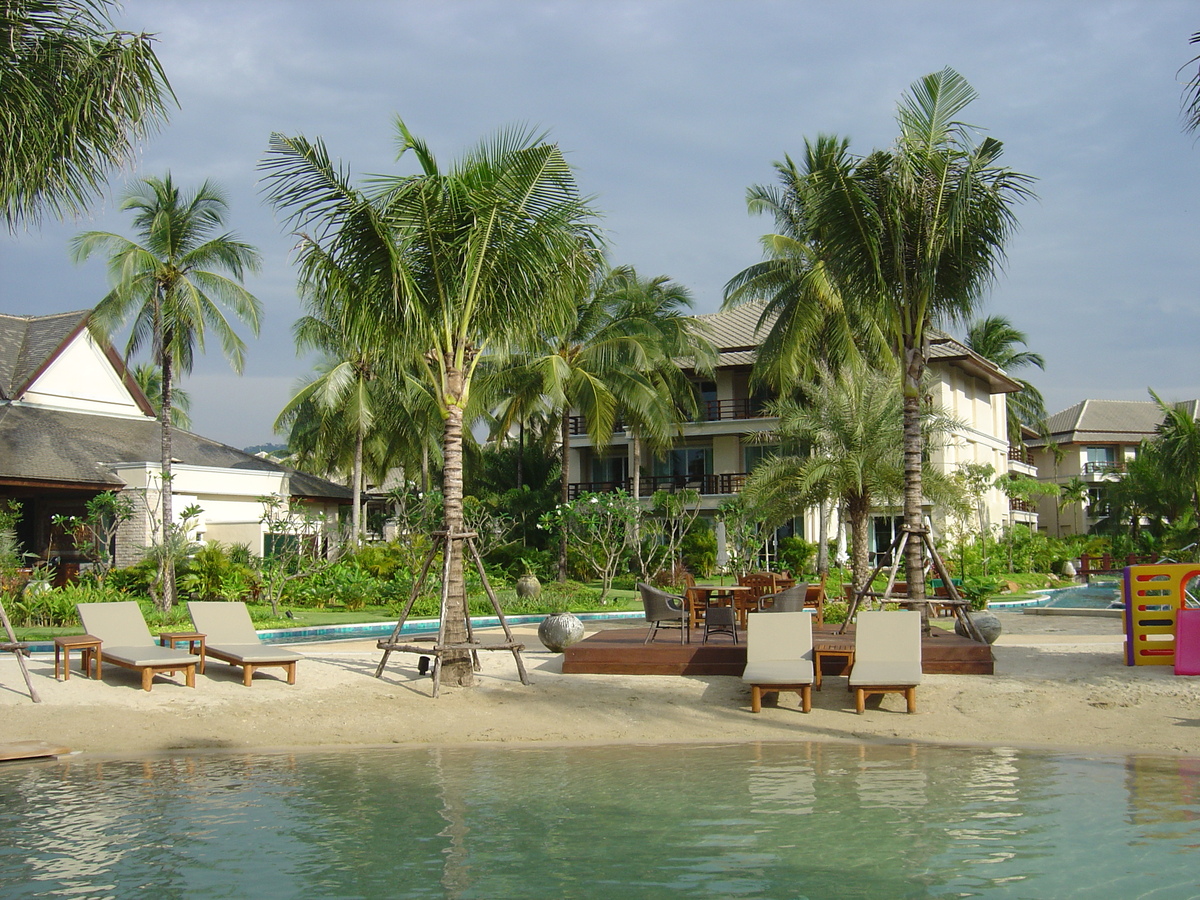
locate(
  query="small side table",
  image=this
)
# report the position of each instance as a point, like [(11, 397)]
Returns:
[(88, 646), (191, 638), (846, 653)]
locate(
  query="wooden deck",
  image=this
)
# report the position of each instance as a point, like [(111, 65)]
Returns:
[(621, 652)]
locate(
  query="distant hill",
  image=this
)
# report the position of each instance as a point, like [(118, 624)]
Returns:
[(265, 448)]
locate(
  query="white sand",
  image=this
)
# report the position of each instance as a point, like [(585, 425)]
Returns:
[(1059, 683)]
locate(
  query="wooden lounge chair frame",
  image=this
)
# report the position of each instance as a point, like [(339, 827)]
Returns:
[(230, 637), (127, 642)]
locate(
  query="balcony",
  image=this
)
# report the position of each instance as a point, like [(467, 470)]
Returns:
[(1020, 455), (1025, 506), (727, 483)]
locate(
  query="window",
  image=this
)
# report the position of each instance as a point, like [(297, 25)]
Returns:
[(753, 454), (688, 463), (610, 469)]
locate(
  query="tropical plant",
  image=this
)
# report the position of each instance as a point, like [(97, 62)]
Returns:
[(94, 533), (76, 98), (601, 527), (172, 284), (615, 353), (149, 379), (910, 237), (464, 261), (994, 338), (850, 425), (1191, 92), (1178, 437)]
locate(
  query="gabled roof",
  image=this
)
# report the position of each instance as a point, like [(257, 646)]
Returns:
[(737, 336), (56, 447), (1108, 421), (29, 343)]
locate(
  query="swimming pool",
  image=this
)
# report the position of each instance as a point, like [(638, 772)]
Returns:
[(1096, 595), (747, 820)]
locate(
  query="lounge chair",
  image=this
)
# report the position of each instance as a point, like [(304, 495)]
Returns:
[(126, 641), (230, 637), (779, 657), (887, 656), (663, 607)]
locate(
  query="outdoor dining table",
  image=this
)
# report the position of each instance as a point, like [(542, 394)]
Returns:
[(701, 596)]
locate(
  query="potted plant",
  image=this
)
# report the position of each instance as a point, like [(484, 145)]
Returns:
[(527, 586)]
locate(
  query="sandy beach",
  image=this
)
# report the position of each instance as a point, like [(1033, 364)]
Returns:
[(1060, 682)]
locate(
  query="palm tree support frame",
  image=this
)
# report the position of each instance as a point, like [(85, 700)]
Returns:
[(440, 647)]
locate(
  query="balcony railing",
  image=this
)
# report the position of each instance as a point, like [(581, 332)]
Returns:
[(710, 411), (1103, 468), (1021, 455), (1017, 505), (726, 483)]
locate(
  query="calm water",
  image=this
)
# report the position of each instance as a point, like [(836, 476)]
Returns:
[(749, 820)]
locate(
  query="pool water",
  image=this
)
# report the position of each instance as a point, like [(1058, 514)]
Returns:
[(771, 820), (1096, 595)]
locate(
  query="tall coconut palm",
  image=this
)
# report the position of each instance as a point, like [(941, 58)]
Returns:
[(173, 283), (994, 338), (911, 237), (1191, 92), (466, 260), (76, 97)]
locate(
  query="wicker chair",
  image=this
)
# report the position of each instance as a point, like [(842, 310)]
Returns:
[(663, 607)]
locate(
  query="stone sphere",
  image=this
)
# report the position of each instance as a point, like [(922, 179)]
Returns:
[(988, 624), (559, 631)]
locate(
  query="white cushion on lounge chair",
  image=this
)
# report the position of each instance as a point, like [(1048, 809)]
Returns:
[(887, 648), (779, 655), (137, 657), (230, 636)]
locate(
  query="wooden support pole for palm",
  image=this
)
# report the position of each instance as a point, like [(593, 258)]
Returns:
[(18, 649)]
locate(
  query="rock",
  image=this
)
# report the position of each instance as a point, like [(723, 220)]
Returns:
[(559, 631), (987, 623)]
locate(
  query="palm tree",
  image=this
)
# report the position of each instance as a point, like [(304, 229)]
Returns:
[(1191, 92), (463, 262), (149, 379), (604, 358), (172, 285), (1179, 445), (911, 236), (994, 338), (76, 98)]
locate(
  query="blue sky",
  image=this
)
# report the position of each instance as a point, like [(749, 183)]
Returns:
[(669, 111)]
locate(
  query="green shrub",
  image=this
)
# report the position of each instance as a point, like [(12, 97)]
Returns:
[(699, 550), (796, 555)]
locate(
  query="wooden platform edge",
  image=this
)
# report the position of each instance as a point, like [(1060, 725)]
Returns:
[(31, 750)]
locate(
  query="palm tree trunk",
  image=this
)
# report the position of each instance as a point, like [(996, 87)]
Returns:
[(455, 666), (166, 565), (520, 454), (356, 511), (915, 550), (637, 487), (822, 538), (566, 475), (858, 510)]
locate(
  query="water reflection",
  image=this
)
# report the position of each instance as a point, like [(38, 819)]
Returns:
[(752, 820)]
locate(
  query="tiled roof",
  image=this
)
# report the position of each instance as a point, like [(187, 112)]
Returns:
[(1107, 421), (737, 334), (28, 342), (70, 448)]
